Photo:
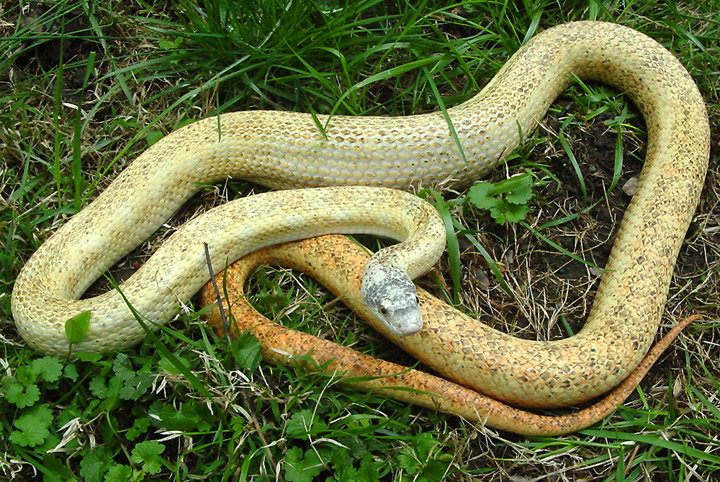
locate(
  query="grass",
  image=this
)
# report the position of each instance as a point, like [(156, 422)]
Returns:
[(86, 86)]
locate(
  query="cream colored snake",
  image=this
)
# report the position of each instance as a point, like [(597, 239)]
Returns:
[(285, 150)]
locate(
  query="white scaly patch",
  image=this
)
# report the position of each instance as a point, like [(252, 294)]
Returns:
[(392, 297)]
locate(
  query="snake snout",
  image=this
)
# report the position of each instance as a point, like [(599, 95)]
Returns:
[(392, 297)]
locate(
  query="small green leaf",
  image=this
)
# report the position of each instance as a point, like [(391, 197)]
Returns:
[(22, 396), (481, 195), (130, 384), (514, 213), (186, 121), (153, 136), (87, 356), (518, 189), (169, 365), (301, 468), (424, 445), (48, 368), (118, 473), (189, 417), (139, 427), (76, 327), (166, 44), (95, 464), (506, 200), (32, 427), (148, 454), (368, 471), (70, 372), (510, 213), (247, 351), (408, 463), (122, 367), (98, 386), (435, 470), (301, 424), (56, 470)]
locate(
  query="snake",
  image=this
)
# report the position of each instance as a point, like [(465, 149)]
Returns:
[(337, 263), (447, 149), (77, 256)]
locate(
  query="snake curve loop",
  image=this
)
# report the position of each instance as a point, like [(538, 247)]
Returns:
[(285, 150)]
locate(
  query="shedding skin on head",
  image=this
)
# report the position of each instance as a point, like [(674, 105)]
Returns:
[(392, 297)]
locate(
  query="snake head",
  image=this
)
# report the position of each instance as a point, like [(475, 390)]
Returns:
[(392, 297)]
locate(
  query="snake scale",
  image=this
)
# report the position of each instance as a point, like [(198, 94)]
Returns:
[(337, 263), (286, 150)]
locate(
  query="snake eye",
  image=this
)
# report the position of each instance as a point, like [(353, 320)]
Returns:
[(383, 310)]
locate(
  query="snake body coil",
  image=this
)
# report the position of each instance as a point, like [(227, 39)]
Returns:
[(287, 150)]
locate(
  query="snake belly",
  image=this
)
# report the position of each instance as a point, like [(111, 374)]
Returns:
[(285, 150)]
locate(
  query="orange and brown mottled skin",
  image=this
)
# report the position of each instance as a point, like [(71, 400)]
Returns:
[(338, 263)]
